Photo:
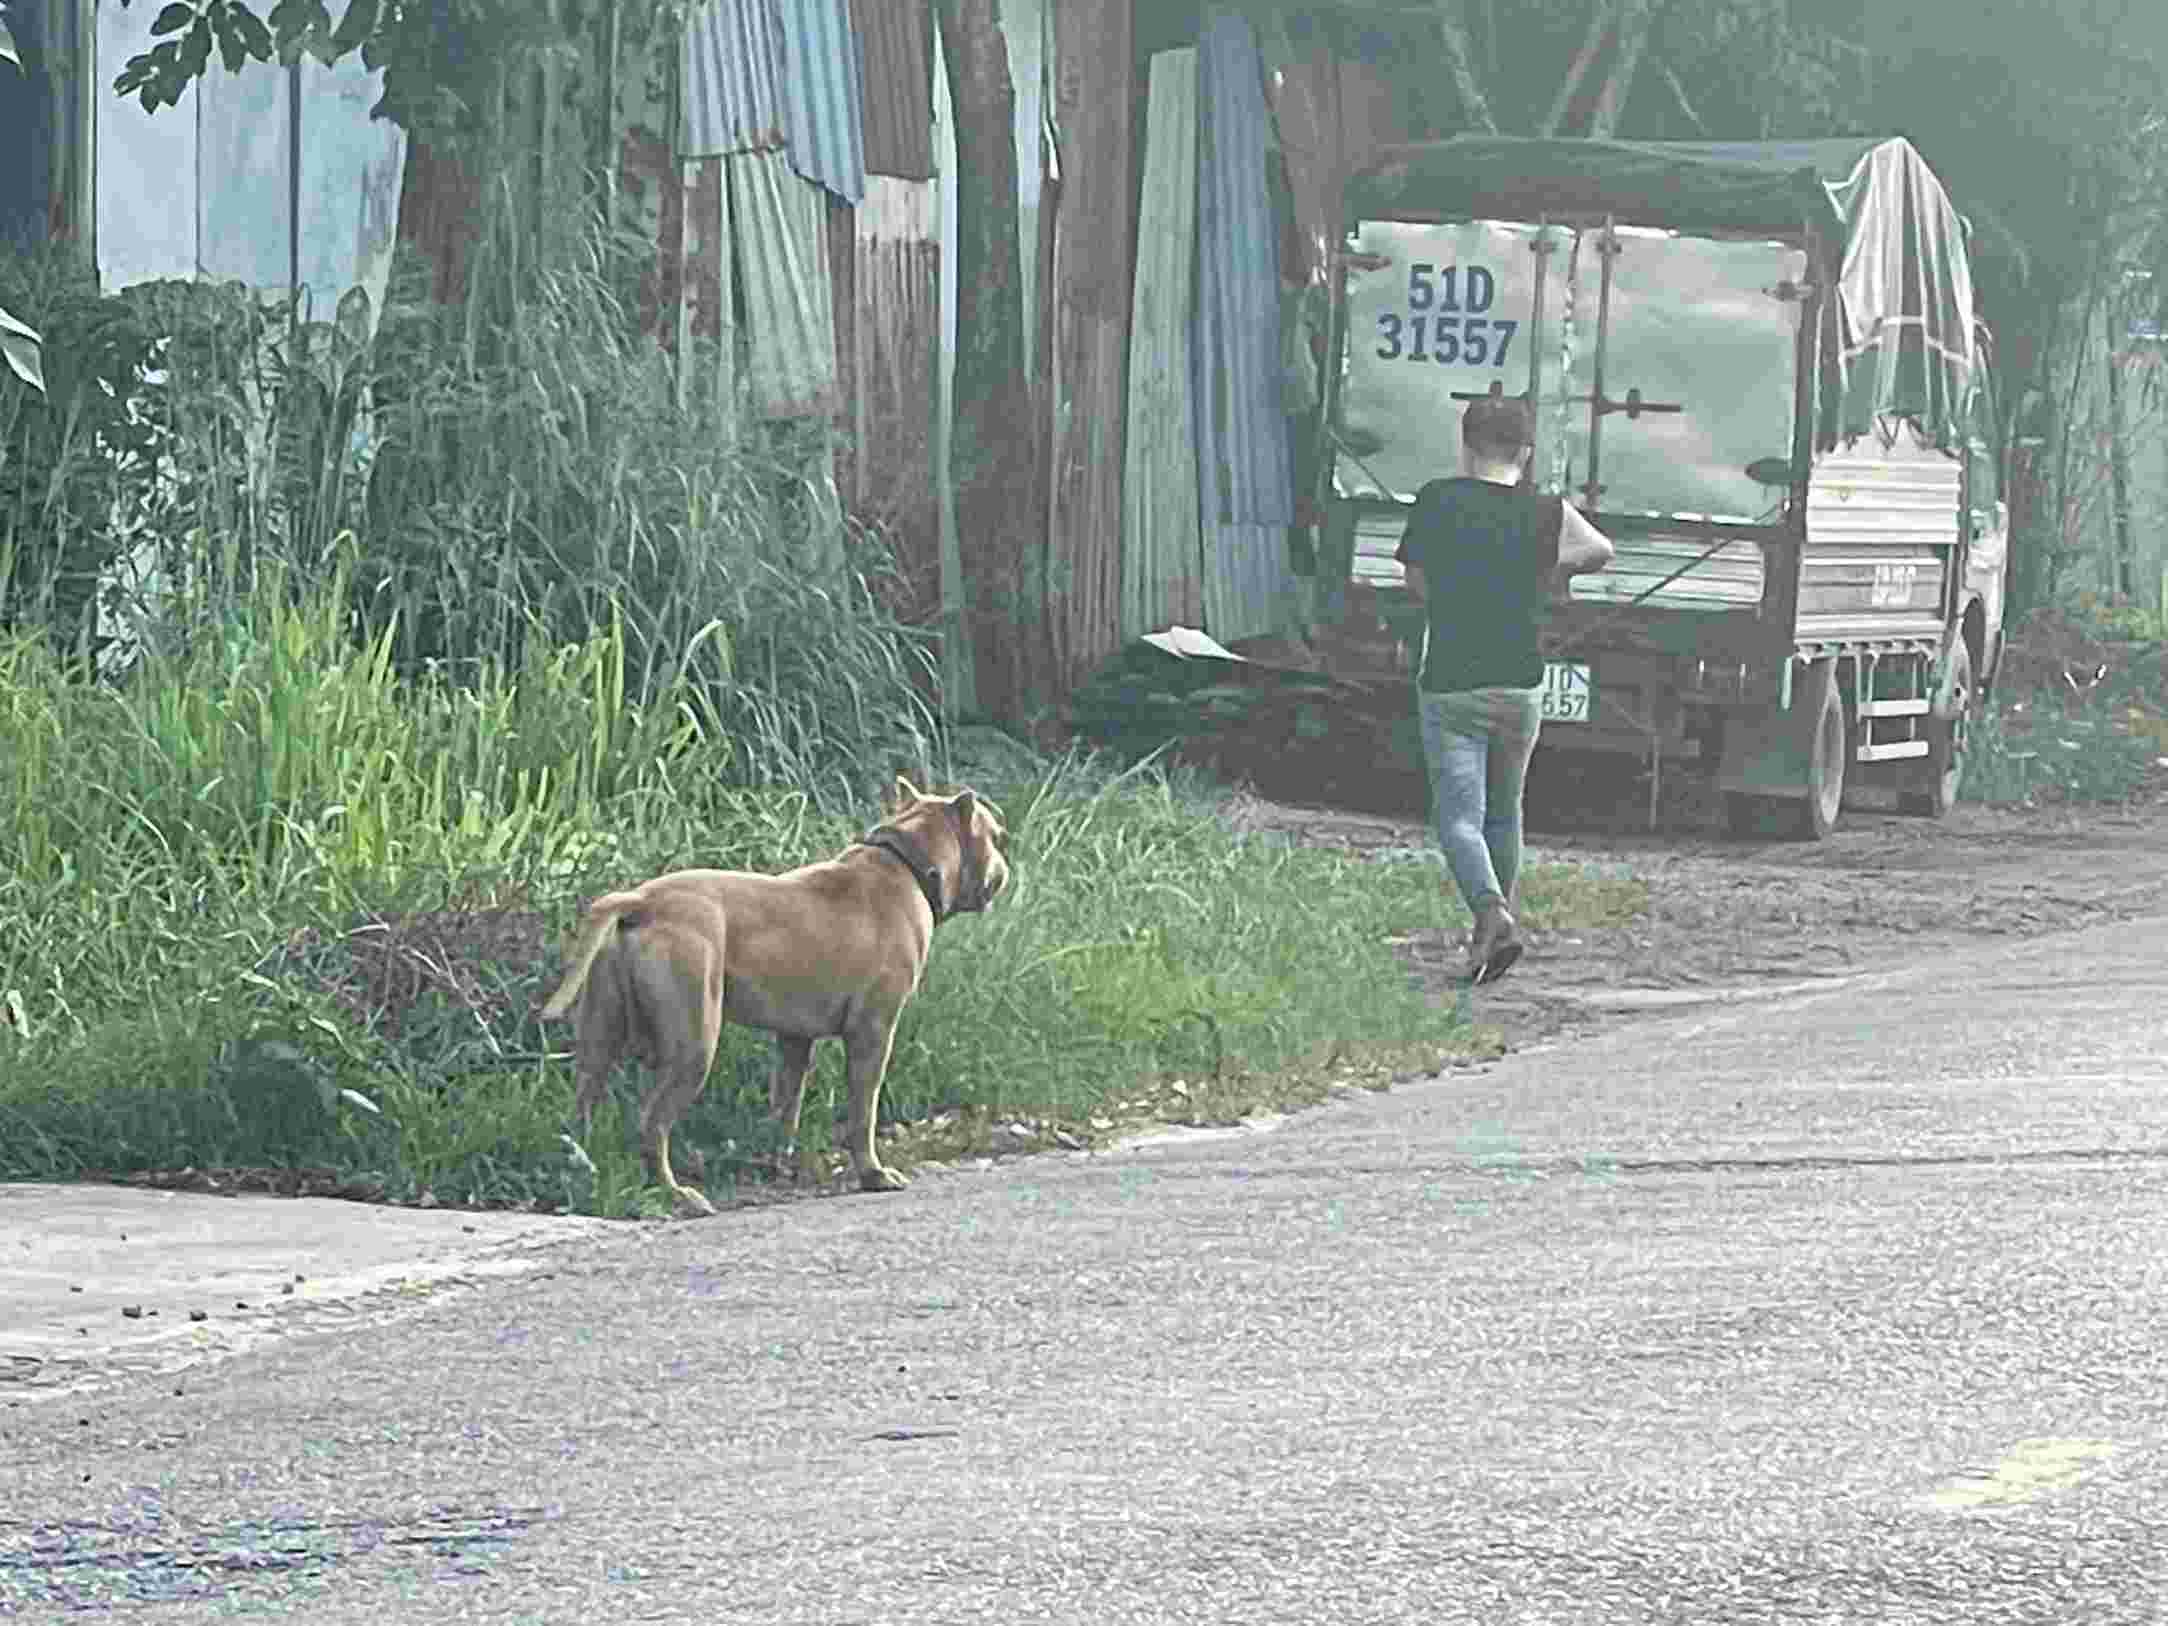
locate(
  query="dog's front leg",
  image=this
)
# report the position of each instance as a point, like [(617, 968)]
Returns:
[(867, 1043)]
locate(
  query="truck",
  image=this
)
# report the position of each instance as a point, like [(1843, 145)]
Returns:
[(1758, 368)]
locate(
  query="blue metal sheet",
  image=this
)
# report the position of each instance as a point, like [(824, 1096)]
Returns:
[(352, 167), (1247, 488), (26, 128), (243, 179), (206, 188), (823, 118), (732, 78)]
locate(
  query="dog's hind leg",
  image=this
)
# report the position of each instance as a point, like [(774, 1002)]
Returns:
[(682, 1059), (867, 1042), (786, 1090), (677, 1084), (599, 1029)]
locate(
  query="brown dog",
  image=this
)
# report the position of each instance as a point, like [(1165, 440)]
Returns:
[(833, 949)]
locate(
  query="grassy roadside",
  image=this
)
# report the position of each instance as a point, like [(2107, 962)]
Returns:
[(272, 907)]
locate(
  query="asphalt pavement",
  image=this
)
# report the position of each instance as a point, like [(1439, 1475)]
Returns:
[(1846, 1306)]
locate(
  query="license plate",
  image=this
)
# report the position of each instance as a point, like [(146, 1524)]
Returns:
[(1568, 692)]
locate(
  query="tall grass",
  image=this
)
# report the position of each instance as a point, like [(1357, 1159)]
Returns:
[(489, 481), (207, 849)]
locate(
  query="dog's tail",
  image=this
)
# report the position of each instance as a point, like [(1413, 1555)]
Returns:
[(601, 924)]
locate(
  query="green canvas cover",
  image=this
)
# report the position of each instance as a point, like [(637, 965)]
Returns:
[(1904, 346)]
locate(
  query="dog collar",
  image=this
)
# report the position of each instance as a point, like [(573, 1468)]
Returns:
[(897, 846)]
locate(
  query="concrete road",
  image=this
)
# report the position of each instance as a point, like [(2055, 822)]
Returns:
[(1849, 1307)]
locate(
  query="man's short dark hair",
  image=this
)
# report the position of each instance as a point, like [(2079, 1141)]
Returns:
[(1498, 426)]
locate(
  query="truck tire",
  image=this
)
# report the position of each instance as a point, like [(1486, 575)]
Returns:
[(1948, 729), (1808, 818)]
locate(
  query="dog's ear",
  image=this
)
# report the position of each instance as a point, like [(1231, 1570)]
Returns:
[(964, 803), (907, 794)]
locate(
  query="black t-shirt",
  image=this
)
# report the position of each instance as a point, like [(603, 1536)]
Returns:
[(1486, 552)]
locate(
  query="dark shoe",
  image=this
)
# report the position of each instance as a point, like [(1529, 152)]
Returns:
[(1497, 944)]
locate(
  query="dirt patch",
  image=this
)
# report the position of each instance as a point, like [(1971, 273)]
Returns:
[(474, 961), (1726, 917)]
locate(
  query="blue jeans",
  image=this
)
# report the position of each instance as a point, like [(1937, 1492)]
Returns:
[(1476, 743)]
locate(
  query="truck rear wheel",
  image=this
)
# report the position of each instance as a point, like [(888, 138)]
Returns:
[(1812, 817), (1948, 728)]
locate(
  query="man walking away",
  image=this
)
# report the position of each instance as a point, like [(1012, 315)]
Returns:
[(1482, 551)]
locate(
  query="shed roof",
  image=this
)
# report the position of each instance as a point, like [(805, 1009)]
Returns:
[(1772, 186)]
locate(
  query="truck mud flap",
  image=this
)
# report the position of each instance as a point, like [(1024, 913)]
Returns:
[(1768, 752)]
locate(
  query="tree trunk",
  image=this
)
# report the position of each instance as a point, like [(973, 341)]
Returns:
[(1599, 28), (2122, 572), (1678, 94), (1460, 60), (1633, 37), (992, 450)]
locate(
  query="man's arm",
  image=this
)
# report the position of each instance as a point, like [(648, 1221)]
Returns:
[(1411, 544)]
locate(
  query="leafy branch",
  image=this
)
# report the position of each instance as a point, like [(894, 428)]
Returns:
[(439, 60)]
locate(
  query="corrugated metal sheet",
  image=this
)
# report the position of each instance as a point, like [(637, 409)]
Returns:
[(707, 329), (1869, 493), (822, 122), (28, 127), (1881, 524), (1023, 27), (206, 188), (650, 199), (1332, 116), (1161, 564), (1089, 293), (959, 663), (243, 181), (1729, 579), (144, 179), (895, 70), (780, 236), (732, 76), (68, 42), (888, 329), (1243, 464)]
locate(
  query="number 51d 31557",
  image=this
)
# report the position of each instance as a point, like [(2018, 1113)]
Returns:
[(1444, 321)]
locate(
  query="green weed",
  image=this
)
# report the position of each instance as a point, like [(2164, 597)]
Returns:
[(2051, 744), (291, 909)]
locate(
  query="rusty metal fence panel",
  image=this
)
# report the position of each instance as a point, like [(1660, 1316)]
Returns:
[(895, 69), (1089, 326), (1161, 539)]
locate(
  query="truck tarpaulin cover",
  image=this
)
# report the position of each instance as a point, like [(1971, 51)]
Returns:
[(1904, 281)]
